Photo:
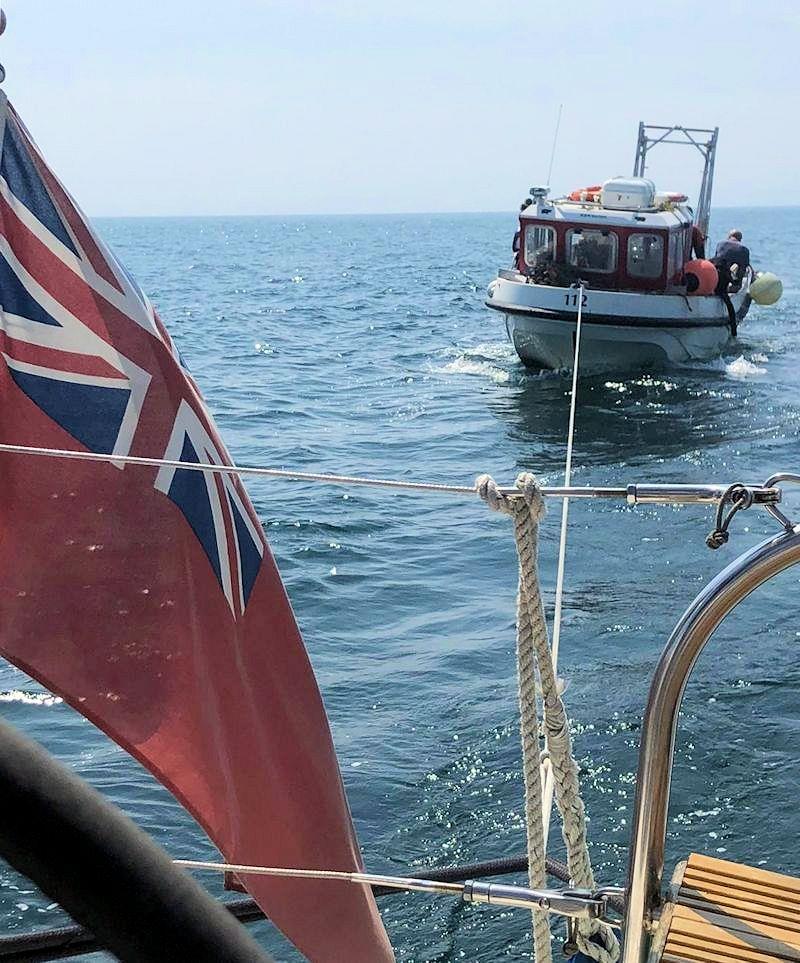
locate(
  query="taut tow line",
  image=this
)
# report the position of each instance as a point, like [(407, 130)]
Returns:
[(547, 769)]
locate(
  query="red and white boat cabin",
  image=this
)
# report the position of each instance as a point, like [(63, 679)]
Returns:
[(619, 252)]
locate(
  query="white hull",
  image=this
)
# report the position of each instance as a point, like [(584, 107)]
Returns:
[(619, 329)]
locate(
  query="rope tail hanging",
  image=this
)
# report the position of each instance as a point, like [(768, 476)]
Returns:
[(596, 940)]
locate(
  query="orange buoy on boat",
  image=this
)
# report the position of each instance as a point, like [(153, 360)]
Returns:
[(701, 277), (587, 193)]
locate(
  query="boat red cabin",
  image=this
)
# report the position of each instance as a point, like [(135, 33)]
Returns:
[(622, 237)]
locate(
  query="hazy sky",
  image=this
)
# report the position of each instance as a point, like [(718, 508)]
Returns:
[(280, 106)]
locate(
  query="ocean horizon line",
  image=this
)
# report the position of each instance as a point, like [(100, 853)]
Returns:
[(322, 214)]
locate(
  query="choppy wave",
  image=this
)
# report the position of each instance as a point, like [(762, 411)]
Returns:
[(384, 361), (30, 698)]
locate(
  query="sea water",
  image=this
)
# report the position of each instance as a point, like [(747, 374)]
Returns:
[(362, 345)]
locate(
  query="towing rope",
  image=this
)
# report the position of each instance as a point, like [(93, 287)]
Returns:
[(594, 939), (547, 771), (562, 543)]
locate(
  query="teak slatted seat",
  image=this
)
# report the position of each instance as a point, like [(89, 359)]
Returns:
[(721, 912)]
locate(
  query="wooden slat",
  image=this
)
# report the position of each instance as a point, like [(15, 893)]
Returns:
[(722, 912), (703, 952), (723, 867), (719, 895), (741, 910), (755, 890), (712, 890), (701, 949), (687, 918), (715, 939)]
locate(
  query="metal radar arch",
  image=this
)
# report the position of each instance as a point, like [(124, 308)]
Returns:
[(705, 140)]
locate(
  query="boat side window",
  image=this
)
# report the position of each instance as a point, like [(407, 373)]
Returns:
[(675, 254), (592, 250), (645, 255), (540, 245)]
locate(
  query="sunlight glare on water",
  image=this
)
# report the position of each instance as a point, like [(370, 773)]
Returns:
[(362, 345)]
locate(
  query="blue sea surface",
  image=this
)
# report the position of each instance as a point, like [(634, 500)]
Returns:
[(362, 345)]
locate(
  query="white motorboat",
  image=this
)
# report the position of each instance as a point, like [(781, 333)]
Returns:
[(620, 252)]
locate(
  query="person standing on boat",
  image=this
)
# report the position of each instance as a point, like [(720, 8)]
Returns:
[(731, 260), (730, 254)]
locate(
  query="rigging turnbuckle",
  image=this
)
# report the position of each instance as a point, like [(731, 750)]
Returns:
[(573, 903), (767, 494)]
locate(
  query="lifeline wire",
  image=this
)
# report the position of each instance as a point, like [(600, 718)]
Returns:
[(424, 885), (56, 941), (245, 470), (666, 494)]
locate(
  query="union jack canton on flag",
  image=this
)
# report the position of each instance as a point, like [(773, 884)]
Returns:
[(148, 597)]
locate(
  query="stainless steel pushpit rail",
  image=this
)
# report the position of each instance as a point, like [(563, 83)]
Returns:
[(656, 753)]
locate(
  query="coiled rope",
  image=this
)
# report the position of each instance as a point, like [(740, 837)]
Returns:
[(595, 939)]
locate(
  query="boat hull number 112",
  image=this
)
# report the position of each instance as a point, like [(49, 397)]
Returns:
[(571, 300)]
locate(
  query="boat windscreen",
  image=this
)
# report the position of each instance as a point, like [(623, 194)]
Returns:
[(592, 250), (540, 245)]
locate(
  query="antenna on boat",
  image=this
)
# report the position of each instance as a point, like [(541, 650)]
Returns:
[(555, 142)]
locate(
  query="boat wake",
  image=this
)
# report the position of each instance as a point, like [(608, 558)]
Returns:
[(740, 368), (743, 368), (496, 362)]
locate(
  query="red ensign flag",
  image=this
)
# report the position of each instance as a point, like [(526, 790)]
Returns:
[(148, 597)]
